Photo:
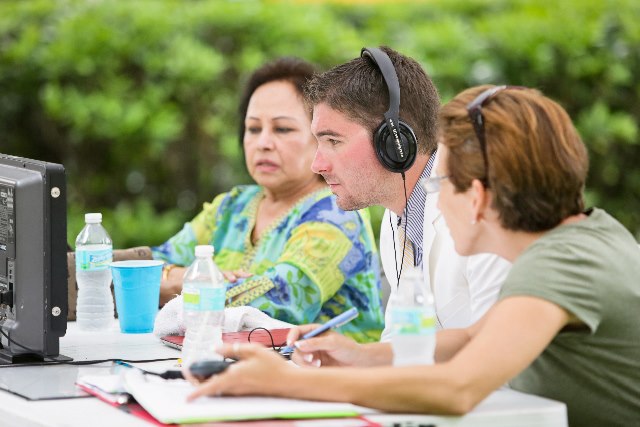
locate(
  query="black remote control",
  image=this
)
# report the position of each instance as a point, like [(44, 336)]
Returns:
[(205, 368)]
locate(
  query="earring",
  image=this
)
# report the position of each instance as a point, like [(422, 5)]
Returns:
[(473, 221)]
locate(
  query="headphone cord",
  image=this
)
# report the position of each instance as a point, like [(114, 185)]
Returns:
[(404, 244)]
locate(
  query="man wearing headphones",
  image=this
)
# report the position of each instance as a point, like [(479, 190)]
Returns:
[(374, 149)]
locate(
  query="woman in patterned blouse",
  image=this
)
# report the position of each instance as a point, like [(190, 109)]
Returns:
[(284, 245)]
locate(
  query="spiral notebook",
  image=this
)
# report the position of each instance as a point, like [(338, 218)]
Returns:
[(166, 401)]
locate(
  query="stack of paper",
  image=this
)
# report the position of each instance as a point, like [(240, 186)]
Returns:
[(166, 401)]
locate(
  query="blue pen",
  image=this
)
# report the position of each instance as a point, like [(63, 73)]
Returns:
[(339, 320)]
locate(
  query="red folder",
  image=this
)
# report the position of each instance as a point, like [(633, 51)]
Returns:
[(259, 336)]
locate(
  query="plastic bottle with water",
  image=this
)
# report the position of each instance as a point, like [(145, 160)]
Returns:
[(203, 293), (413, 327), (94, 252)]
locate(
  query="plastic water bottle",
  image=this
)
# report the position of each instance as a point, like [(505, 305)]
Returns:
[(94, 252), (413, 329), (203, 293)]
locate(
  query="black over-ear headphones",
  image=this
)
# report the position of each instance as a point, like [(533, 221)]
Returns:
[(394, 141)]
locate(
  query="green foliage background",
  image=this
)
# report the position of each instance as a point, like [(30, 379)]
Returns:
[(138, 99)]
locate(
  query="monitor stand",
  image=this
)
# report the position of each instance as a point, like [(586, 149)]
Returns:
[(9, 358)]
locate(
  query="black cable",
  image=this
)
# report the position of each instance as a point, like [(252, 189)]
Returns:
[(53, 361), (93, 362), (273, 344), (88, 362), (393, 235), (395, 256), (170, 374)]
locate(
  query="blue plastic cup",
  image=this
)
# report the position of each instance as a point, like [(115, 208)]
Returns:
[(137, 288)]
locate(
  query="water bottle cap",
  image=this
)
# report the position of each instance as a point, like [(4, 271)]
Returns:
[(204, 251), (92, 218)]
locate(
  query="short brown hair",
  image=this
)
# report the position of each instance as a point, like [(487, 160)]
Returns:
[(289, 69), (537, 163), (358, 90)]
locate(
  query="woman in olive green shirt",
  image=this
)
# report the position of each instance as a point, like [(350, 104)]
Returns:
[(567, 325)]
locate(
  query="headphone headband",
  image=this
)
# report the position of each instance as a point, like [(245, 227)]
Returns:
[(394, 141), (390, 77)]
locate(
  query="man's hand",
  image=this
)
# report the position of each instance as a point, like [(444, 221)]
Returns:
[(327, 349)]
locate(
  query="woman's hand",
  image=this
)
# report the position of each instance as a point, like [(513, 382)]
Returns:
[(233, 276), (171, 286), (259, 371), (328, 349)]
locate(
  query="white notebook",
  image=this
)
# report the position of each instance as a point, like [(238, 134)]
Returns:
[(166, 401)]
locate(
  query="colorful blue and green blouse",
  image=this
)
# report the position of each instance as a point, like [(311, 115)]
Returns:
[(309, 266)]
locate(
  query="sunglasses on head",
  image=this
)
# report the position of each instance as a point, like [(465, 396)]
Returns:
[(474, 109)]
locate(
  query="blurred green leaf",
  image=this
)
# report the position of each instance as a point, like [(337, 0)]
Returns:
[(138, 99)]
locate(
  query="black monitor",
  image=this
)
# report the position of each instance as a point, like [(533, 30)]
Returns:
[(33, 260)]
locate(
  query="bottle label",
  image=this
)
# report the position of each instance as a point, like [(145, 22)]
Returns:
[(412, 321), (93, 260), (203, 299)]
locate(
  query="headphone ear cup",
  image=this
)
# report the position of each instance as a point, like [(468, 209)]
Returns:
[(394, 158)]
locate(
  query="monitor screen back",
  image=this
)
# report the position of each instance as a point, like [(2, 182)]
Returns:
[(33, 266)]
